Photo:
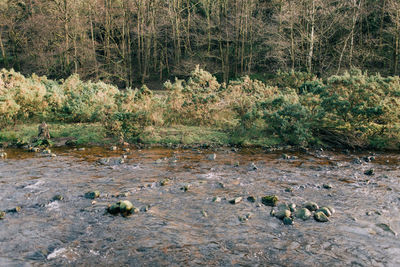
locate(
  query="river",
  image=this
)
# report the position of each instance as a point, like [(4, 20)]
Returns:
[(178, 227)]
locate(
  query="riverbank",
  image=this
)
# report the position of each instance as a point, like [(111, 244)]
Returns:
[(95, 134), (354, 111)]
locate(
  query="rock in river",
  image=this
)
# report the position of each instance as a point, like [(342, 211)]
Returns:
[(287, 221), (303, 214), (320, 217), (281, 214), (125, 207), (326, 211), (311, 206), (235, 200), (251, 199), (92, 194), (2, 215), (369, 172), (270, 200)]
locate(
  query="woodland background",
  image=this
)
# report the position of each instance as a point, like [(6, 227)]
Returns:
[(131, 42)]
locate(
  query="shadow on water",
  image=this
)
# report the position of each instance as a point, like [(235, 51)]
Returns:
[(178, 227)]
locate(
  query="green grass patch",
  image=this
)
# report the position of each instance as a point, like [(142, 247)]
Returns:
[(83, 133)]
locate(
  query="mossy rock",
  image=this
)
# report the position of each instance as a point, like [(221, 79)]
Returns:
[(320, 217), (114, 209), (270, 200), (326, 211), (92, 194), (303, 214), (311, 206), (125, 207), (281, 214), (2, 215)]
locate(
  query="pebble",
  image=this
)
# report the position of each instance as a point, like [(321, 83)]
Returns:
[(113, 148)]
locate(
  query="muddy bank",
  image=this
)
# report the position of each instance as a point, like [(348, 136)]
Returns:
[(178, 220)]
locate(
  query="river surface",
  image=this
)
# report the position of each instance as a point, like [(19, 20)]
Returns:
[(175, 227)]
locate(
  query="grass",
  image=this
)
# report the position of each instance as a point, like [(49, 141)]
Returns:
[(83, 133), (95, 134)]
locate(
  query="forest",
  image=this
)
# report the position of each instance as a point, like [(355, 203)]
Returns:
[(132, 42)]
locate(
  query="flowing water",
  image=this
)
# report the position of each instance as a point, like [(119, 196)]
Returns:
[(175, 227)]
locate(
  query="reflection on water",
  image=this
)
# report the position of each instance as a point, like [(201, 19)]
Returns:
[(178, 227)]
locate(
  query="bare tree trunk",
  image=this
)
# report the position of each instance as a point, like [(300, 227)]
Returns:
[(312, 38)]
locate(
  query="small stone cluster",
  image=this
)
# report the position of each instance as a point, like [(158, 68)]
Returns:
[(288, 212)]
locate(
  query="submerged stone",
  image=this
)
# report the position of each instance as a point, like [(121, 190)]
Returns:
[(3, 155), (287, 221), (270, 200), (253, 167), (92, 194), (369, 172), (311, 206), (216, 199), (251, 199), (320, 217), (114, 208), (14, 210), (57, 197), (386, 227), (185, 188), (2, 215), (327, 186), (303, 214)]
